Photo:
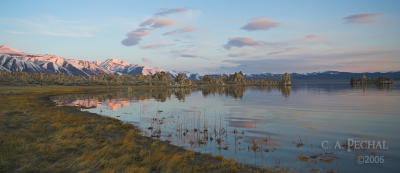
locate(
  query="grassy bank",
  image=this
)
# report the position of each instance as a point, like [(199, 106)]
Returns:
[(37, 136)]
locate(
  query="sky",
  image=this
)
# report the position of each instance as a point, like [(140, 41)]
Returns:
[(211, 36)]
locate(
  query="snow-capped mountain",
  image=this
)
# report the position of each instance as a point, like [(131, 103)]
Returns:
[(12, 63), (14, 60), (114, 64), (121, 67)]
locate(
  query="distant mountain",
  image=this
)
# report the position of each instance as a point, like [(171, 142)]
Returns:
[(327, 75), (14, 60), (336, 75)]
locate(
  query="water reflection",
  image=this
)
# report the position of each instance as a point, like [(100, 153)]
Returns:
[(285, 90), (262, 126), (118, 99), (235, 92), (380, 87)]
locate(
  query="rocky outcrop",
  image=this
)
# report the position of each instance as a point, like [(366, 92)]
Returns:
[(365, 81), (285, 80)]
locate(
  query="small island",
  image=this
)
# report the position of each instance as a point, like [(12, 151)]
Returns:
[(379, 81)]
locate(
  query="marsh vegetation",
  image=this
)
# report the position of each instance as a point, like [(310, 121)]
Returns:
[(37, 136)]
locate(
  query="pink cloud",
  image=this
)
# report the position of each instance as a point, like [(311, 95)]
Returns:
[(242, 42), (260, 24), (311, 36), (138, 33), (364, 18), (153, 23), (157, 23), (180, 31)]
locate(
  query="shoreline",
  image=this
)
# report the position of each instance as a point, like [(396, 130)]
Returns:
[(49, 138)]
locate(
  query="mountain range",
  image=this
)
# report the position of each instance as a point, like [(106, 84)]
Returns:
[(15, 60), (326, 76)]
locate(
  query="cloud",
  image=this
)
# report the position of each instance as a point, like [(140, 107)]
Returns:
[(146, 60), (133, 37), (154, 23), (364, 18), (189, 56), (260, 24), (275, 51), (187, 53), (157, 45), (240, 54), (170, 11), (242, 42), (311, 36), (180, 31), (286, 50), (263, 65), (272, 48), (157, 23)]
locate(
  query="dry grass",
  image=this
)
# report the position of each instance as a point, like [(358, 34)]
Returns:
[(36, 136)]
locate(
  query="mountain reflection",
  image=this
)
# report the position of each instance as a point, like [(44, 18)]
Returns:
[(379, 87), (116, 104)]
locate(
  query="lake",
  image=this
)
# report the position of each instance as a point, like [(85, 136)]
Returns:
[(306, 127)]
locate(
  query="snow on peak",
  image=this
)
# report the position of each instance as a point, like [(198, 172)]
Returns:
[(116, 61), (114, 64), (150, 70)]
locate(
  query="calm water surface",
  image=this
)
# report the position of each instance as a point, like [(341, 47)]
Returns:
[(266, 126)]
